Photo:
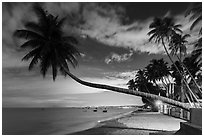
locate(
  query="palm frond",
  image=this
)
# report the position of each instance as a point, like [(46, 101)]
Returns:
[(199, 19), (34, 61), (178, 30), (61, 22), (31, 53), (41, 14), (27, 34), (54, 68), (33, 27), (32, 43), (178, 26), (45, 64)]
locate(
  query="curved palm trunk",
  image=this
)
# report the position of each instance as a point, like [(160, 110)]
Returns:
[(180, 72), (131, 92), (189, 74)]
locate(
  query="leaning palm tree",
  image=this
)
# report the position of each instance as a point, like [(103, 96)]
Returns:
[(162, 29), (50, 48), (177, 46)]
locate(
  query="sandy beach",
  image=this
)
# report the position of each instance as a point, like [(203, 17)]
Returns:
[(136, 123)]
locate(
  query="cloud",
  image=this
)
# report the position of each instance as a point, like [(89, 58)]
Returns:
[(121, 75), (110, 29), (114, 57), (103, 22)]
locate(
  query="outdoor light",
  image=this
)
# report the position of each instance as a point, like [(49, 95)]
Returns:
[(158, 103)]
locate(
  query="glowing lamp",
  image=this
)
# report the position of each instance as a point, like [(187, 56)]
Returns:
[(158, 103)]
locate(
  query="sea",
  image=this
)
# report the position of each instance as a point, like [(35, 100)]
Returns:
[(56, 121)]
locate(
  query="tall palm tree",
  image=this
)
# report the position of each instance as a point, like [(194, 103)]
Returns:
[(179, 94), (162, 29), (51, 48), (177, 46)]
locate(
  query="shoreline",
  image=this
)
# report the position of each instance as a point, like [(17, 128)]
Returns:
[(100, 123), (127, 125)]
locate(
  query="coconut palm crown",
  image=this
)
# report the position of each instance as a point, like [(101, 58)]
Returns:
[(49, 47), (178, 44), (162, 28)]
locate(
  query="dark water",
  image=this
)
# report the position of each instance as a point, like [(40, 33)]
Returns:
[(37, 121)]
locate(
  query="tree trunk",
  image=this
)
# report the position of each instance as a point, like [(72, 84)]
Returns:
[(131, 92), (183, 65), (182, 78), (180, 73)]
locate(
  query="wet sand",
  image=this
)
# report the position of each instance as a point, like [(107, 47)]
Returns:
[(136, 123)]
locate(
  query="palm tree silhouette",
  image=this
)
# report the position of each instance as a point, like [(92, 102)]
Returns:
[(158, 70), (143, 84), (51, 49), (194, 69), (49, 46), (178, 46), (131, 84), (162, 29)]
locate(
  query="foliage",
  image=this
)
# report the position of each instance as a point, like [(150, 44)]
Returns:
[(195, 13), (48, 45)]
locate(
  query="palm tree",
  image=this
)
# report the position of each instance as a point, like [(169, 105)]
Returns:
[(196, 14), (141, 81), (157, 70), (142, 84), (51, 48), (194, 69), (131, 84), (162, 29), (195, 11), (197, 52), (178, 46)]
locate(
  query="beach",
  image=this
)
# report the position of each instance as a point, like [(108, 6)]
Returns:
[(136, 123), (87, 121)]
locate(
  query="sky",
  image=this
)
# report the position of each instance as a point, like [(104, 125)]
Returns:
[(113, 43)]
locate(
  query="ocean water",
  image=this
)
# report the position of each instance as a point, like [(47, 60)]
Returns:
[(54, 121)]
